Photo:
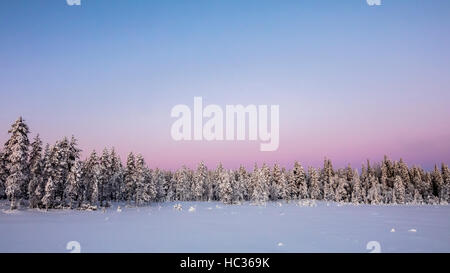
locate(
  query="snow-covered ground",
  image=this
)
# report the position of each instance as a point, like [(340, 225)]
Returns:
[(215, 227)]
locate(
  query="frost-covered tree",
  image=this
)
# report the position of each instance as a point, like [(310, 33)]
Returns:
[(445, 191), (118, 188), (357, 190), (259, 179), (300, 187), (277, 184), (105, 179), (74, 189), (49, 197), (341, 194), (225, 190), (130, 178), (142, 181), (3, 174), (183, 184), (16, 148), (91, 174), (161, 184), (399, 190), (373, 194), (199, 182), (36, 179), (240, 185), (314, 188), (437, 181)]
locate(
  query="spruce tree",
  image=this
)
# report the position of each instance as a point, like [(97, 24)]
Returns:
[(130, 178), (36, 169), (74, 189), (315, 192), (16, 148)]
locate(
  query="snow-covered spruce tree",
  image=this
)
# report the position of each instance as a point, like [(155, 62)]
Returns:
[(74, 188), (399, 190), (171, 189), (437, 181), (357, 190), (183, 184), (105, 179), (91, 174), (49, 197), (314, 188), (277, 184), (130, 178), (161, 185), (445, 193), (225, 190), (240, 193), (3, 174), (259, 179), (141, 195), (373, 194), (16, 148), (117, 170), (301, 184), (36, 168), (328, 192), (199, 183), (341, 194), (61, 162), (253, 182)]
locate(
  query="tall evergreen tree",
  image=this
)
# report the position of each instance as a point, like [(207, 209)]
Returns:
[(36, 168), (74, 189), (16, 148)]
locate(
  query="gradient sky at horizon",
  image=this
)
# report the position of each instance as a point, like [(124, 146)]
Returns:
[(353, 81)]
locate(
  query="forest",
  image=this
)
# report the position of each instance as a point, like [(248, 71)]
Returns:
[(54, 177)]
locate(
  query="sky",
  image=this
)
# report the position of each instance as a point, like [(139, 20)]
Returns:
[(353, 81)]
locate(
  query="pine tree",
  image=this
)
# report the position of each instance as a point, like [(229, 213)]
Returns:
[(399, 190), (130, 178), (199, 183), (3, 174), (437, 181), (91, 174), (357, 190), (301, 186), (117, 170), (142, 181), (105, 178), (341, 190), (278, 188), (225, 190), (161, 184), (240, 187), (36, 181), (259, 179), (49, 196), (18, 169), (373, 194), (445, 192), (74, 189), (314, 184)]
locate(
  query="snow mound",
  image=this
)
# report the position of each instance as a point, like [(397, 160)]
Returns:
[(393, 230), (119, 209), (191, 209), (280, 244), (177, 207), (412, 230)]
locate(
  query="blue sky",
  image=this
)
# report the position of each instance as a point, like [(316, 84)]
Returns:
[(352, 81)]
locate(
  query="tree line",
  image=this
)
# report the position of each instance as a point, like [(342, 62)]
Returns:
[(56, 177)]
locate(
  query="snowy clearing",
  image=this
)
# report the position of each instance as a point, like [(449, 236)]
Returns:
[(215, 227)]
